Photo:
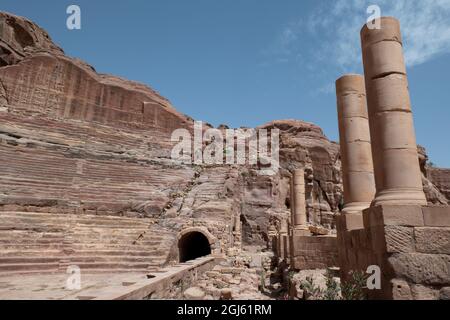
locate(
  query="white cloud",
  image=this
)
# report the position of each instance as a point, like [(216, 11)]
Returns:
[(333, 31)]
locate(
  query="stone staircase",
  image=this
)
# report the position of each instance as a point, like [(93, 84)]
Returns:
[(50, 180), (94, 136), (50, 243), (210, 194)]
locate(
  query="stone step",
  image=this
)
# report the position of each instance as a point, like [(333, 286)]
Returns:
[(81, 243), (105, 254), (53, 223), (114, 234), (8, 237), (87, 253), (45, 243), (31, 253), (119, 247), (94, 246), (28, 246), (108, 265), (29, 241), (29, 267), (28, 260), (88, 219), (79, 259), (13, 234), (155, 260), (40, 228), (62, 270)]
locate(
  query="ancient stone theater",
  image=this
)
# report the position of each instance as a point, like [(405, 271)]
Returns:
[(94, 206)]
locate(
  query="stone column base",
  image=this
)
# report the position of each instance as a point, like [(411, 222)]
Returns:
[(350, 221), (410, 245), (313, 252), (399, 197), (301, 231), (355, 207)]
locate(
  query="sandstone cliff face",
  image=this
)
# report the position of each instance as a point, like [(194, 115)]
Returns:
[(38, 79), (74, 142), (55, 106), (78, 144), (85, 143), (435, 181), (266, 200), (440, 179)]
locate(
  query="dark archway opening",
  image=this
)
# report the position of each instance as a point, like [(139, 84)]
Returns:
[(193, 245)]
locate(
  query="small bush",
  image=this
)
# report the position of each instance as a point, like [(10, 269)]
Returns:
[(353, 289)]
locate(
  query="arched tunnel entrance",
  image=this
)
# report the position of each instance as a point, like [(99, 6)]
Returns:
[(193, 245)]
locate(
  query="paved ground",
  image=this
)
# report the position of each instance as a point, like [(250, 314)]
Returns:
[(53, 287), (60, 286)]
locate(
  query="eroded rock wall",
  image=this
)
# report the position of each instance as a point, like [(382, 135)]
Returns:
[(77, 142), (440, 178)]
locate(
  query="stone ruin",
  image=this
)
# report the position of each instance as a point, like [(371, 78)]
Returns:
[(387, 220), (87, 182), (399, 232)]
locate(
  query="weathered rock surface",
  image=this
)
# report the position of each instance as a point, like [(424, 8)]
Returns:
[(194, 293), (440, 178), (74, 142), (436, 181)]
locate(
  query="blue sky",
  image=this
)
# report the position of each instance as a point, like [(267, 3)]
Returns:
[(244, 63)]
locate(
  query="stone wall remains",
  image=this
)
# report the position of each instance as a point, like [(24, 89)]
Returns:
[(409, 243), (313, 252)]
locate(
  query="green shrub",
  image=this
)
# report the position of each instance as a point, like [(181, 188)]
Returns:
[(354, 288)]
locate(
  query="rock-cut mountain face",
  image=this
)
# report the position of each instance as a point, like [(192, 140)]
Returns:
[(82, 151)]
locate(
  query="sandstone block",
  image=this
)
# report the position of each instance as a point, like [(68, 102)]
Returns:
[(352, 102), (401, 290), (350, 84), (389, 31), (391, 127), (399, 239), (400, 169), (421, 292), (385, 57), (393, 216), (357, 155), (432, 240), (317, 230), (436, 216), (361, 189), (391, 93), (194, 293), (353, 221), (427, 269), (356, 129)]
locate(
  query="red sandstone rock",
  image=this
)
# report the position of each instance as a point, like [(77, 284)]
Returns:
[(74, 142)]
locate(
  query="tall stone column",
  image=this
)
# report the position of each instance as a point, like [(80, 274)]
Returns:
[(292, 201), (299, 221), (282, 239), (394, 148), (237, 233), (356, 153)]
